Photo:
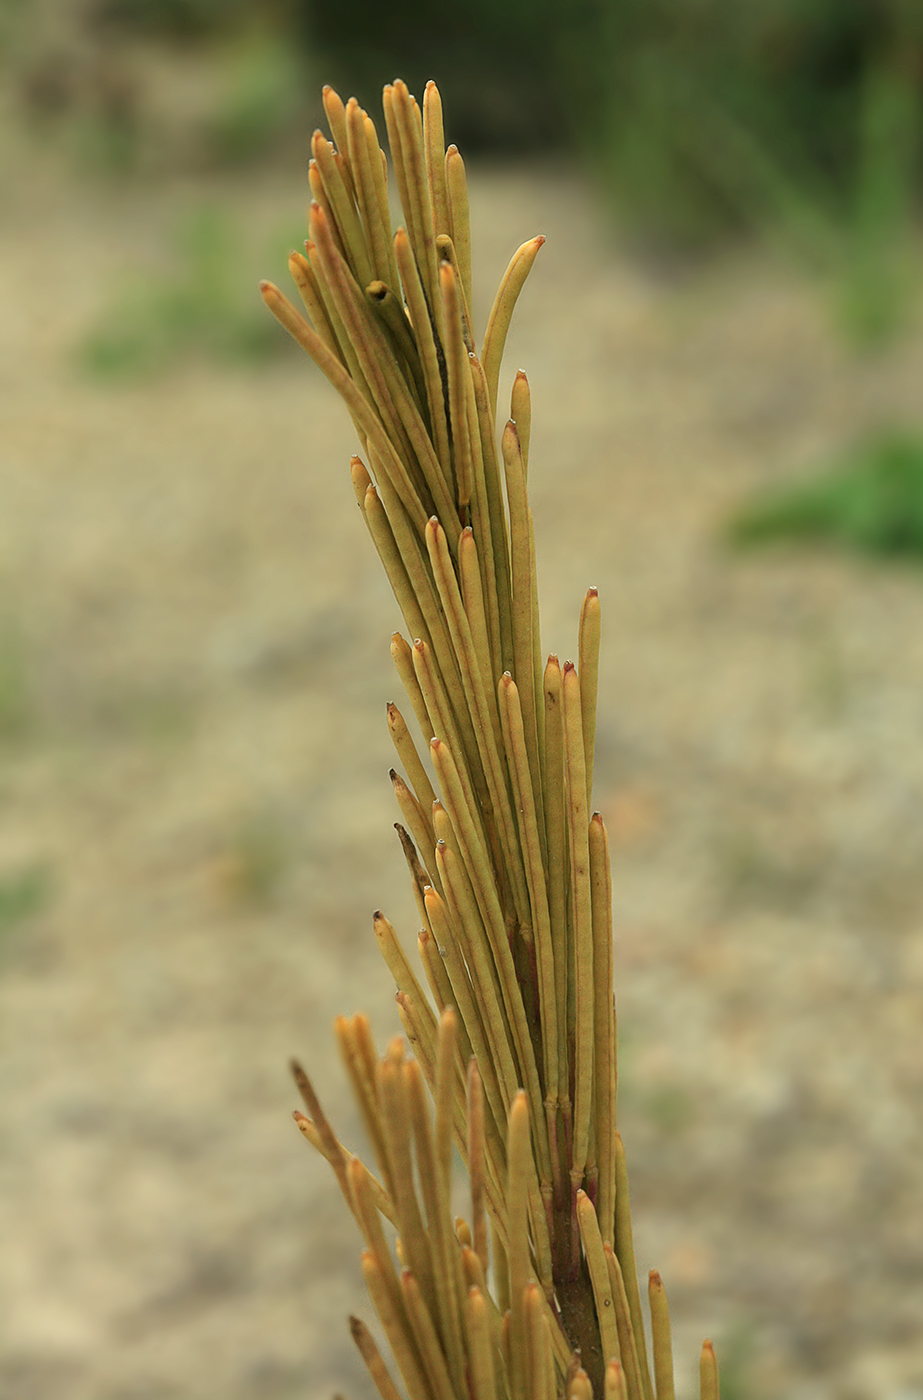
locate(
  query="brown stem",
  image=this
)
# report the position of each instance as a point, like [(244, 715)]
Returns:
[(578, 1313)]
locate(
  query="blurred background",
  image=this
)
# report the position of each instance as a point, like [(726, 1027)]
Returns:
[(724, 342)]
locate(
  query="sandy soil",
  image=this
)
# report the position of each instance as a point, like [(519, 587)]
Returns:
[(193, 672)]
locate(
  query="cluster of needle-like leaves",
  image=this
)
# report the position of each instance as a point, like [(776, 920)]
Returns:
[(537, 1295)]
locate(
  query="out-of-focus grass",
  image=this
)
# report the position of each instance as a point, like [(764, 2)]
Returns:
[(255, 857), (255, 89), (877, 276), (751, 870), (668, 1107), (820, 159), (201, 309), (737, 1351), (23, 893), (16, 710), (261, 99), (870, 501)]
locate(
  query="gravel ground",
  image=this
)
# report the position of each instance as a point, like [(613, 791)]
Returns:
[(195, 816)]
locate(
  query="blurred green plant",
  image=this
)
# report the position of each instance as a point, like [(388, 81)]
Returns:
[(23, 893), (738, 1353), (751, 870), (668, 1107), (254, 862), (800, 122), (198, 310), (263, 97), (15, 689), (871, 501), (878, 281), (180, 19)]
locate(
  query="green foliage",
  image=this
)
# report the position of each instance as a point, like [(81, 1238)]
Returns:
[(737, 1350), (200, 309), (255, 861), (182, 19), (756, 107), (877, 282), (669, 1108), (262, 100), (23, 893), (870, 501), (800, 122), (15, 690), (752, 871)]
